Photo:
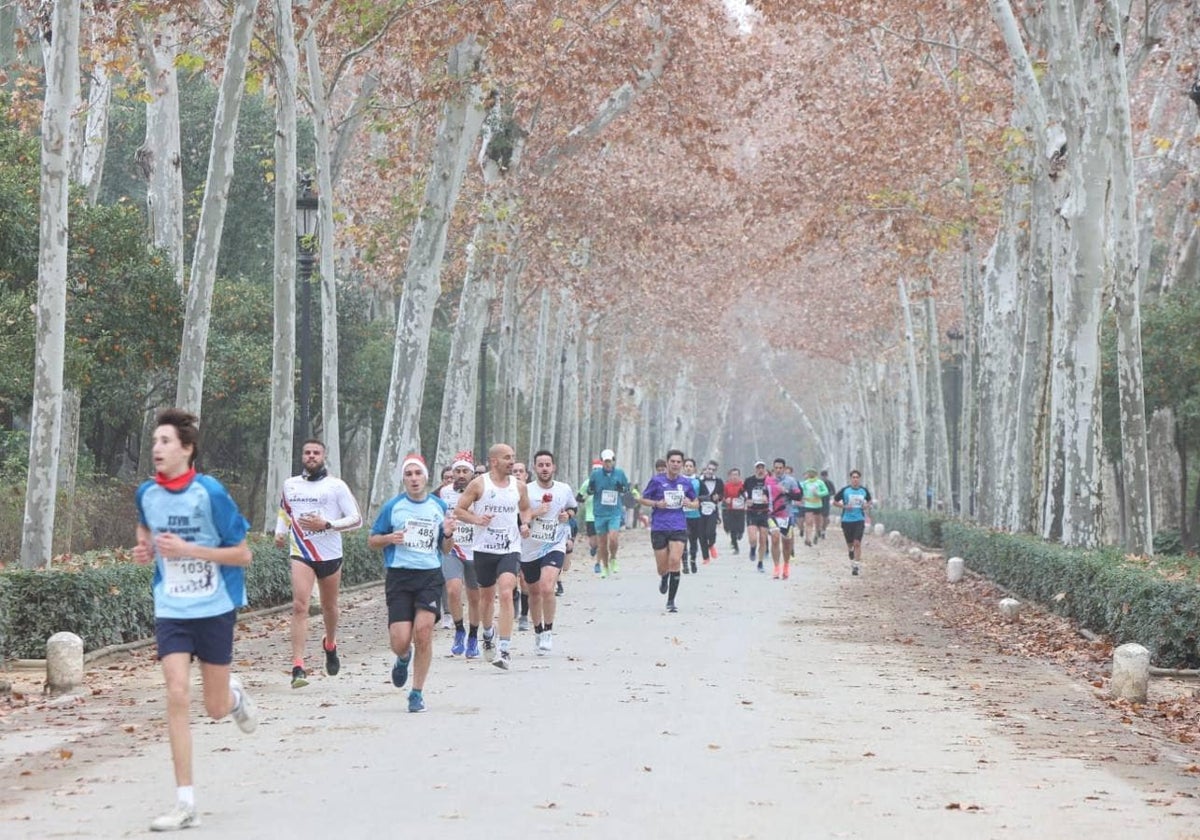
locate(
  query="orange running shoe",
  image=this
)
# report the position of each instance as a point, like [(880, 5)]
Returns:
[(775, 574), (787, 570)]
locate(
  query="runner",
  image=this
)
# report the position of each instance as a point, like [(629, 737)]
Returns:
[(758, 512), (669, 494), (314, 509), (497, 505), (458, 567), (813, 489), (605, 486), (825, 502), (692, 515), (712, 493), (855, 501), (784, 489), (413, 529), (589, 519), (447, 478), (193, 532), (543, 553), (733, 515), (521, 593)]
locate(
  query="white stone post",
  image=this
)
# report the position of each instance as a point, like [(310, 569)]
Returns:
[(878, 529), (954, 569), (1010, 608), (1130, 673), (64, 662)]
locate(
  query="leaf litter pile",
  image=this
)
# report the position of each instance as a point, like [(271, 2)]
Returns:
[(969, 611)]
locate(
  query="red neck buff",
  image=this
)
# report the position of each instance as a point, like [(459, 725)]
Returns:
[(178, 482)]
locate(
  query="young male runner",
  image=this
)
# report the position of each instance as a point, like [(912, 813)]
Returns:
[(605, 486), (669, 494), (314, 509), (193, 532), (552, 504), (855, 501), (758, 512), (413, 529)]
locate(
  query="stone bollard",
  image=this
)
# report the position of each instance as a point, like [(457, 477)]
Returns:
[(1130, 673), (954, 569), (915, 553), (878, 529), (894, 537), (64, 662), (1010, 608)]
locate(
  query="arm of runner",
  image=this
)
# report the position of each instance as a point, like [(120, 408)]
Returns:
[(173, 545), (469, 496)]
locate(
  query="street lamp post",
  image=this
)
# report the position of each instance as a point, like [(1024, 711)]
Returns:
[(306, 247), (954, 410)]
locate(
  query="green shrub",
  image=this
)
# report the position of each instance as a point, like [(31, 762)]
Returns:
[(104, 597), (918, 525)]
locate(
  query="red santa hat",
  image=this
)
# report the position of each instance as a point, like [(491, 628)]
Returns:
[(414, 458), (464, 459)]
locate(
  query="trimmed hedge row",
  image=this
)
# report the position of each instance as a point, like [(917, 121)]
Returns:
[(1126, 599), (109, 602)]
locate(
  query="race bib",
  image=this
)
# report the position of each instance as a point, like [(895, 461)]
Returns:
[(187, 577), (494, 542), (673, 499), (783, 521), (708, 508), (608, 498), (544, 530), (420, 535), (854, 501), (464, 533), (758, 496), (737, 503)]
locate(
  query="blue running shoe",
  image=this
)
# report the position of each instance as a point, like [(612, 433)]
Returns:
[(416, 703), (400, 671), (459, 646), (472, 648)]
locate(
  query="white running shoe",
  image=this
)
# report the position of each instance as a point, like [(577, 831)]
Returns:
[(489, 647), (545, 642), (447, 622), (245, 713), (523, 624), (181, 816)]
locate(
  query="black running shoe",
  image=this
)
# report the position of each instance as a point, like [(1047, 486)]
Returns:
[(558, 590), (671, 608), (662, 586), (332, 663), (299, 678)]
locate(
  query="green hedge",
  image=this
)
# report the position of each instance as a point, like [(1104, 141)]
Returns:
[(106, 600), (917, 525), (1153, 603)]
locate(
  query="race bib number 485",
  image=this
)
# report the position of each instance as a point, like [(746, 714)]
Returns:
[(420, 535), (608, 498)]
